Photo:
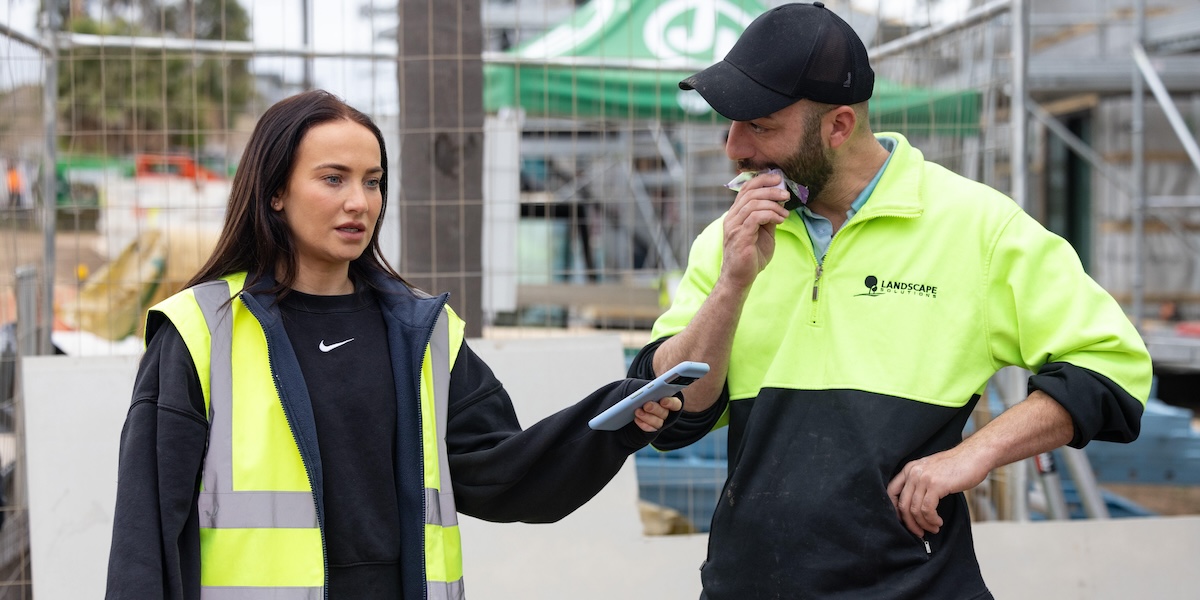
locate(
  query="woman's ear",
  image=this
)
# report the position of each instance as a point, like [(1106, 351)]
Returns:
[(277, 202)]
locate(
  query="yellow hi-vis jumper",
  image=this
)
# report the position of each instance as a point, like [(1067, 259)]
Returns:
[(261, 532)]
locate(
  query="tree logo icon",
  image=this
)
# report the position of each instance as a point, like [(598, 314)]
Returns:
[(872, 284)]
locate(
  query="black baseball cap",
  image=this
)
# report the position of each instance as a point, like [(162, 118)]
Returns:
[(788, 53)]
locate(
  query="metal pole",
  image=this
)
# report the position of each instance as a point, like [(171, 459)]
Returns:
[(1138, 139), (1078, 145), (990, 96), (26, 346), (27, 332), (1017, 491), (1017, 113), (1013, 382), (972, 17), (1056, 500), (1085, 482), (305, 10), (1178, 124), (49, 175)]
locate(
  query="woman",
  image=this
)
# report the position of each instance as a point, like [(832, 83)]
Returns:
[(306, 425)]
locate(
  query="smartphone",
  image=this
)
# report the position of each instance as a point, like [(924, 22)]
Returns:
[(667, 384)]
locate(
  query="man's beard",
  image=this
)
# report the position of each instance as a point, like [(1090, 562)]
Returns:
[(809, 165)]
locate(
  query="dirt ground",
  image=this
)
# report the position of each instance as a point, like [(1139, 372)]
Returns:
[(76, 253)]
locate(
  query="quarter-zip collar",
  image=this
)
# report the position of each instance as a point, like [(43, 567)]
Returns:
[(896, 193)]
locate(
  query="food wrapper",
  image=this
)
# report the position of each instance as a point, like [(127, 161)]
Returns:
[(797, 190)]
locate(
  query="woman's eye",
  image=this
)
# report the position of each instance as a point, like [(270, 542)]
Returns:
[(372, 183), (333, 179)]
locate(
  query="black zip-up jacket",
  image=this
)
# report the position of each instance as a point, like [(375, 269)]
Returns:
[(500, 471)]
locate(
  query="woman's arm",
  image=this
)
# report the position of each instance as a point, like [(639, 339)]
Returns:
[(502, 472), (155, 544)]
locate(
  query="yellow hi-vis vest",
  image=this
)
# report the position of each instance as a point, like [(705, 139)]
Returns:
[(260, 536)]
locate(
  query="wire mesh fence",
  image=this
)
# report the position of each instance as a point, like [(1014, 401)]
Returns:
[(546, 168)]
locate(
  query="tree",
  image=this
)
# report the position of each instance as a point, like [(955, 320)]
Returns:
[(120, 100)]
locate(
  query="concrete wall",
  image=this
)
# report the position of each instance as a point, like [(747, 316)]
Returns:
[(75, 408), (1092, 560)]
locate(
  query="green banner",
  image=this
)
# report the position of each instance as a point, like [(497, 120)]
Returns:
[(623, 59)]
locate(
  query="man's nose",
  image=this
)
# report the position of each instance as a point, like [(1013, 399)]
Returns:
[(737, 143)]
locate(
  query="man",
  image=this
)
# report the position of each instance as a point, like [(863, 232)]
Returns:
[(16, 186), (851, 336)]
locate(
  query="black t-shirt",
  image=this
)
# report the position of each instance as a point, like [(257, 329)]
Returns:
[(341, 345)]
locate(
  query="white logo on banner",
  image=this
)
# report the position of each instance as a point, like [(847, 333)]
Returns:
[(693, 29), (562, 39)]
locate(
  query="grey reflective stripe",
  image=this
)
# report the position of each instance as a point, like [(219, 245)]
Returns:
[(239, 510), (213, 298), (219, 505), (262, 593), (439, 506), (440, 590)]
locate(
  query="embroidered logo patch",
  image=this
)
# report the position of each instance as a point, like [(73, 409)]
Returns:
[(879, 287)]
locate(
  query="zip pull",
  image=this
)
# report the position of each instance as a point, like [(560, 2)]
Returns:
[(816, 282), (928, 550)]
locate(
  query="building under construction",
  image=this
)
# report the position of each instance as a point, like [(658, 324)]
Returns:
[(553, 177)]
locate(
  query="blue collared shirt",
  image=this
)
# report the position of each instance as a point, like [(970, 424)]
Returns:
[(820, 230)]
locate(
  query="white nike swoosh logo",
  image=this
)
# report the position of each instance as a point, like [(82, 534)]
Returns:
[(325, 348)]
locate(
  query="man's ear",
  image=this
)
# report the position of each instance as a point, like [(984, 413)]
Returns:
[(841, 122)]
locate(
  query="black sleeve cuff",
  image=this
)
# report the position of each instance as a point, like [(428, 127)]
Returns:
[(642, 366), (1100, 409), (689, 426), (632, 436)]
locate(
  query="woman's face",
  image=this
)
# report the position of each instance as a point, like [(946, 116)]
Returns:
[(332, 198)]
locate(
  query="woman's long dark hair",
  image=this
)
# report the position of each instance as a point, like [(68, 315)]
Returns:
[(254, 237)]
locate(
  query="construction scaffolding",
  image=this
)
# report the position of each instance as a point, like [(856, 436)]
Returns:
[(1085, 113)]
